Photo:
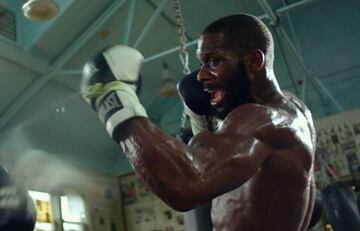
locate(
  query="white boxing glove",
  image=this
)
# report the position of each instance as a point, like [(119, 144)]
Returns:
[(109, 84)]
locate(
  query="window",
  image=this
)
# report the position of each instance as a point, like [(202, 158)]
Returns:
[(73, 227), (44, 216), (73, 213)]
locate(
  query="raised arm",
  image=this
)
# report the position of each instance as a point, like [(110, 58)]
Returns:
[(185, 176)]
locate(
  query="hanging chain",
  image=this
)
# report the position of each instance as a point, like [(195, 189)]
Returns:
[(180, 28)]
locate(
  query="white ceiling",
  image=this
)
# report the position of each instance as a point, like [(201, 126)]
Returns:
[(40, 104)]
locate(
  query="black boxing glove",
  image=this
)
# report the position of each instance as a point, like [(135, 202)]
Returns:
[(109, 85), (17, 209), (196, 102)]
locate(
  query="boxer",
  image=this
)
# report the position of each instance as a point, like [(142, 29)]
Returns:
[(256, 165)]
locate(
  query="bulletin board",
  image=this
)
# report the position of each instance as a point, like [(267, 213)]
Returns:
[(143, 211), (338, 145)]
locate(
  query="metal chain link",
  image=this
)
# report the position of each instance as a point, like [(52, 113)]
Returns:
[(180, 28)]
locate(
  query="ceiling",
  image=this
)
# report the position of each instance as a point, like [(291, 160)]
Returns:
[(41, 109)]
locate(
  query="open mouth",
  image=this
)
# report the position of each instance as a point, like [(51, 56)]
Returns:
[(216, 96)]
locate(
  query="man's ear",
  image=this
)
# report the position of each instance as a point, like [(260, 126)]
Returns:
[(255, 61)]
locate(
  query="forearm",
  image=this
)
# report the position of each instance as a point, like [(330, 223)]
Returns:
[(109, 85), (185, 176), (160, 160)]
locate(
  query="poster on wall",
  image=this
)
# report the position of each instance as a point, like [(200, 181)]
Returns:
[(144, 217), (180, 219), (357, 128), (338, 145), (128, 192), (143, 189), (100, 218), (144, 211)]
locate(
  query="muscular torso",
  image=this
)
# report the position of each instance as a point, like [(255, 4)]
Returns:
[(279, 196), (271, 200), (257, 169)]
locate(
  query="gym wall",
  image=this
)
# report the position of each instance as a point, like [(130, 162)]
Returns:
[(144, 211), (338, 146), (338, 160), (44, 173)]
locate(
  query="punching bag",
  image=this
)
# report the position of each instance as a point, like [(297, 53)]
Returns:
[(199, 219), (17, 210), (340, 207), (317, 210)]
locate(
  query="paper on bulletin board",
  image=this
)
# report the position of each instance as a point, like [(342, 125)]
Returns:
[(170, 220), (338, 144), (144, 211), (128, 192), (141, 216), (101, 220)]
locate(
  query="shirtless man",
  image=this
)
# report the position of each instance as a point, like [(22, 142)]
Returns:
[(257, 167)]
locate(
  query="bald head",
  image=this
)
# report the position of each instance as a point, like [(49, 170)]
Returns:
[(245, 33)]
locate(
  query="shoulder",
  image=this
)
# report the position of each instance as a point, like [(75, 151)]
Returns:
[(298, 104), (303, 113), (280, 126), (254, 118)]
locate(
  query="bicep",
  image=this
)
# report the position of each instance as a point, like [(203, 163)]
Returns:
[(226, 161)]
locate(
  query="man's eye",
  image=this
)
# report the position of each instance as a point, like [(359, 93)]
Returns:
[(213, 63)]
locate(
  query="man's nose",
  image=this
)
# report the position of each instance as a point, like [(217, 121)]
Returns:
[(204, 75)]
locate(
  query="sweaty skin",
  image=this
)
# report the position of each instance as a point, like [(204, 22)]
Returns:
[(257, 168)]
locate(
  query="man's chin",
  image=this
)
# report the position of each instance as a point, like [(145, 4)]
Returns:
[(220, 111)]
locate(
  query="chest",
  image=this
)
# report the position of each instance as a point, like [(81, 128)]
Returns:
[(261, 202), (234, 209)]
